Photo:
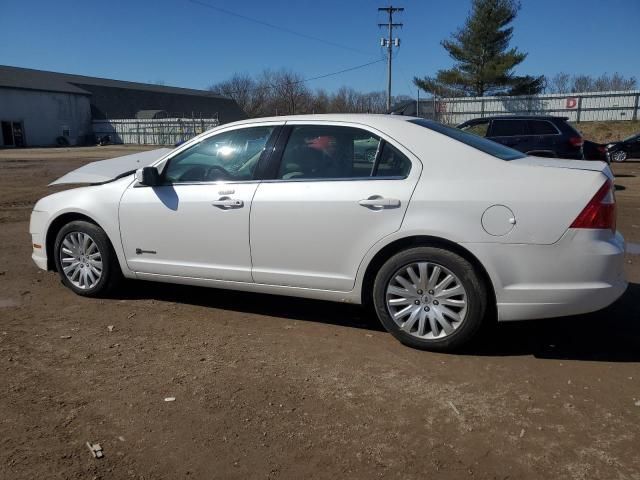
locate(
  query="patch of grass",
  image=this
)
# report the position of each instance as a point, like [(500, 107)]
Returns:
[(605, 132)]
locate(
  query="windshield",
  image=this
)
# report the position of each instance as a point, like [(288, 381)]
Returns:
[(487, 146), (631, 137)]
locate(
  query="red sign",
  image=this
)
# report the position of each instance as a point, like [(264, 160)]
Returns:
[(572, 102)]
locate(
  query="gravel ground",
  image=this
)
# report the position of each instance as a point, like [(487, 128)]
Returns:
[(272, 387)]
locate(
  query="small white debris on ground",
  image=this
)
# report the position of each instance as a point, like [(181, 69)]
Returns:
[(95, 449), (110, 328), (454, 408), (170, 399), (65, 337)]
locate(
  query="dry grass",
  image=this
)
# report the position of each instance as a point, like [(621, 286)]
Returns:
[(605, 132)]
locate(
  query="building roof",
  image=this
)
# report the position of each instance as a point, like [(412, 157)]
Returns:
[(27, 78), (120, 99)]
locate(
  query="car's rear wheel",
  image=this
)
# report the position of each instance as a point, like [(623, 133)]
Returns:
[(85, 259), (619, 156), (430, 298)]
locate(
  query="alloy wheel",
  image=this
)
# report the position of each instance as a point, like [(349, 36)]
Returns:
[(426, 300), (81, 260), (619, 156)]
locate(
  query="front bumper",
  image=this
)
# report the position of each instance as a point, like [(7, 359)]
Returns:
[(582, 272), (37, 227)]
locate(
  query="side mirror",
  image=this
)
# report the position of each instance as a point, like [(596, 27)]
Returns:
[(148, 176)]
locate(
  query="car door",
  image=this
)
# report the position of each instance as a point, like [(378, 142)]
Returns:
[(196, 224), (509, 132), (545, 137), (327, 205)]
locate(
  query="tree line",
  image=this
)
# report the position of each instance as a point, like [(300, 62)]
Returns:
[(284, 92), (565, 83)]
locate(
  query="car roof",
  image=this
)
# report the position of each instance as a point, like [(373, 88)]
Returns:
[(519, 117), (371, 119)]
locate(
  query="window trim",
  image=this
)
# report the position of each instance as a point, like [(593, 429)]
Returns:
[(276, 158)]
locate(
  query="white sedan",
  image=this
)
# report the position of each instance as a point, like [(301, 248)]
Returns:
[(439, 230)]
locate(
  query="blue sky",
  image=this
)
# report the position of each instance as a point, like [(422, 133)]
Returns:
[(185, 44)]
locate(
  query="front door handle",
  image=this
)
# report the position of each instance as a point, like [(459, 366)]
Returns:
[(377, 202), (227, 203)]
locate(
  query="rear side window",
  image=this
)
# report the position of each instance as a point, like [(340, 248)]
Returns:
[(392, 162), (327, 151), (316, 152), (484, 145), (508, 128), (542, 127)]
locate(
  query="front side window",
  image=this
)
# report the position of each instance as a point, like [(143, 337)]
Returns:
[(228, 156), (479, 128), (326, 151)]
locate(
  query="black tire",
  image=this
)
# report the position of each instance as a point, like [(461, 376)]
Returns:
[(476, 297), (111, 273)]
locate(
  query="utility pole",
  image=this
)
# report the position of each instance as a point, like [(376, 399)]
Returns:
[(390, 42)]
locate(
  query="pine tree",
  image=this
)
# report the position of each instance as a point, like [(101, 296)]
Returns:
[(484, 62)]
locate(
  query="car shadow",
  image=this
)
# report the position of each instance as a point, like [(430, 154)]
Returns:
[(611, 335), (292, 308)]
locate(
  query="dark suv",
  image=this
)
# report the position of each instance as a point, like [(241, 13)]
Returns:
[(544, 136)]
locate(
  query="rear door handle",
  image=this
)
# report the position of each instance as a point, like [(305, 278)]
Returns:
[(378, 202), (227, 203)]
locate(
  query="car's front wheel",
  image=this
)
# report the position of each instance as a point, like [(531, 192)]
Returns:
[(85, 259), (430, 298), (619, 156)]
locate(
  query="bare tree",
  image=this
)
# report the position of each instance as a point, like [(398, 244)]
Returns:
[(249, 93), (559, 83), (284, 92), (565, 83)]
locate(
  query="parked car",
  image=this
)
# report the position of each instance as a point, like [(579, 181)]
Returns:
[(542, 136), (595, 151), (440, 233), (627, 148)]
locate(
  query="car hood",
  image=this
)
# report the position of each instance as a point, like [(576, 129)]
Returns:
[(108, 170), (594, 166)]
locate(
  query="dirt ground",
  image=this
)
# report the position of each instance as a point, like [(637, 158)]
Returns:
[(271, 387)]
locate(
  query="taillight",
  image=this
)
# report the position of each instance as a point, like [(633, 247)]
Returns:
[(600, 212), (576, 141)]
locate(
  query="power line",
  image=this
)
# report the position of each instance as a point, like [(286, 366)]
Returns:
[(389, 42), (297, 82), (277, 27)]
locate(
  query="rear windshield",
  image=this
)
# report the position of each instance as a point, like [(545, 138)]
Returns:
[(487, 146)]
